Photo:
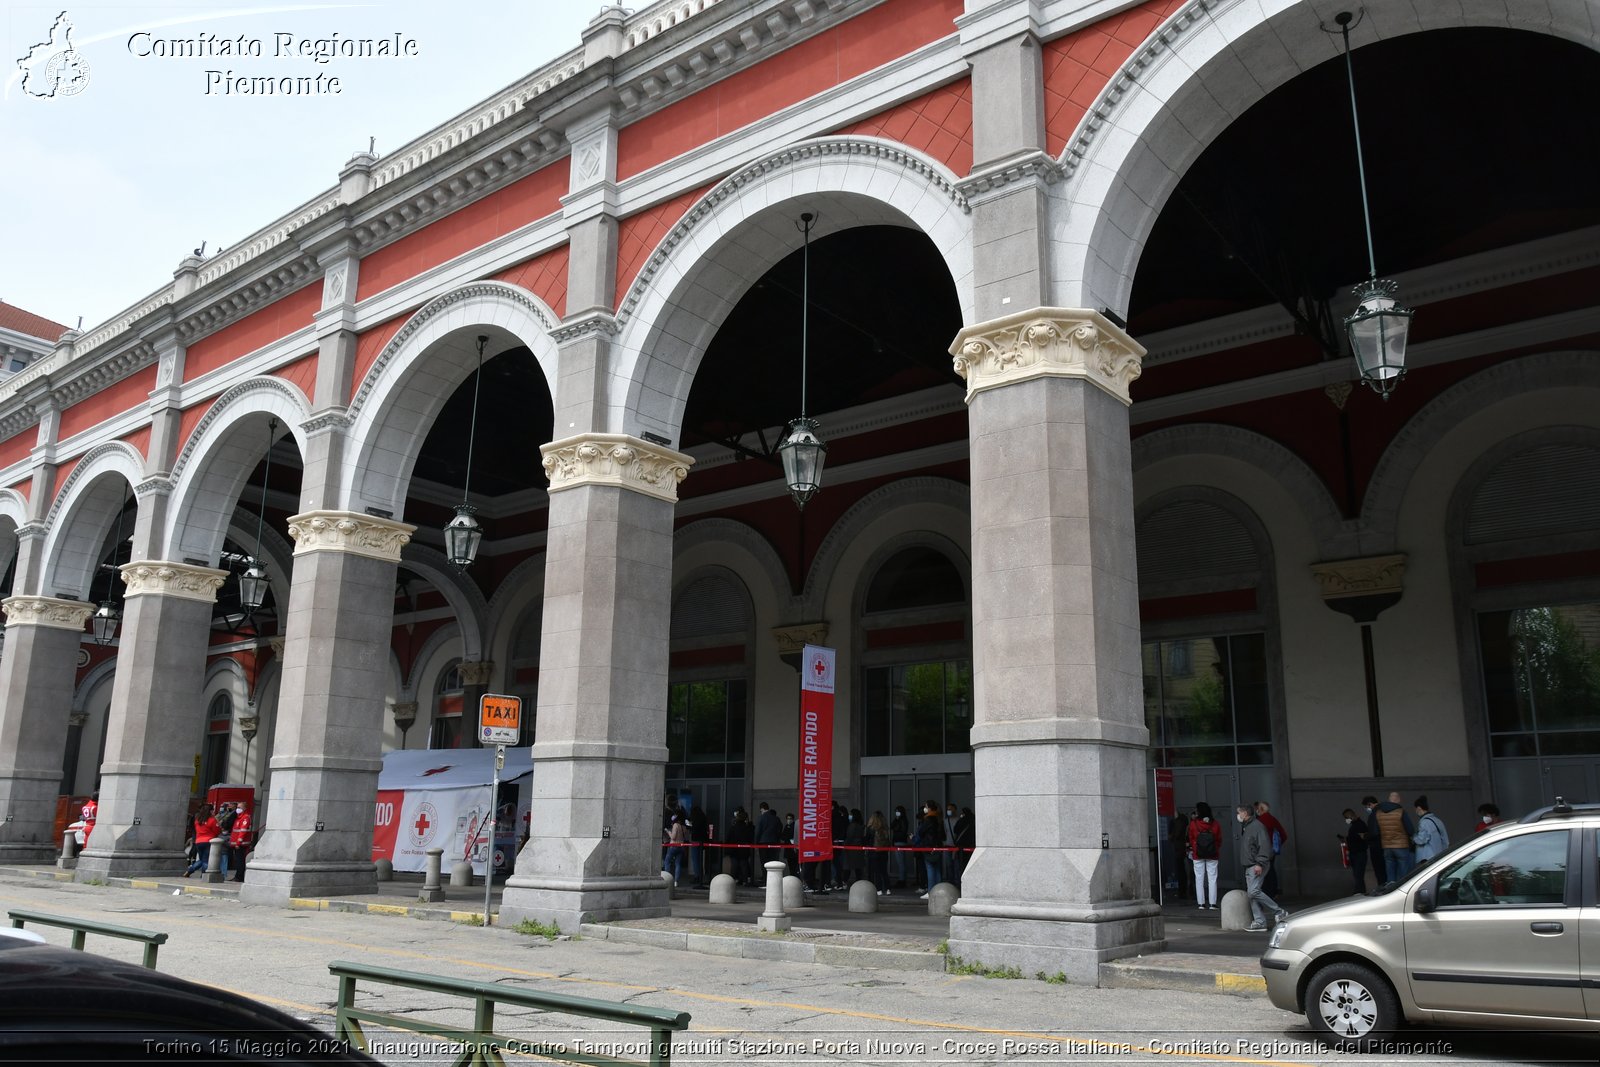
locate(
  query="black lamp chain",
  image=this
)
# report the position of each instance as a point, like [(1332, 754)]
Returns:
[(266, 478), (472, 433), (805, 308), (1361, 167)]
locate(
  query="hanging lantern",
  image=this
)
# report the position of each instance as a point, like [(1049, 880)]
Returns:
[(253, 587), (462, 535), (105, 622), (1378, 330), (803, 453)]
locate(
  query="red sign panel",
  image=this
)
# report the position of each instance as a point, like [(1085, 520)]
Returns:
[(386, 823), (814, 835), (1165, 804)]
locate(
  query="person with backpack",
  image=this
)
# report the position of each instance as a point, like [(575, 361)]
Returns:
[(1431, 837), (1205, 849), (1279, 839)]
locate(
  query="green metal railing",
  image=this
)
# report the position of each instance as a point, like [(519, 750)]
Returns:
[(481, 1045), (82, 927)]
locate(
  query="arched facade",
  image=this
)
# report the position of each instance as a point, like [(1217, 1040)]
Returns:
[(1143, 504)]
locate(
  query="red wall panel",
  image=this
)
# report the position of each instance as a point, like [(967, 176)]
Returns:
[(131, 392), (1078, 66), (256, 330), (938, 123), (638, 235), (544, 276)]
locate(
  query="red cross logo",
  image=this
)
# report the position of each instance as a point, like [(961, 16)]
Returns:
[(434, 770), (423, 824), (820, 668)]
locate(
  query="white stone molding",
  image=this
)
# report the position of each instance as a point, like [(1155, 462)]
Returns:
[(792, 640), (903, 158), (1360, 577), (183, 581), (46, 611), (476, 672), (346, 531), (615, 459), (267, 394), (1047, 343)]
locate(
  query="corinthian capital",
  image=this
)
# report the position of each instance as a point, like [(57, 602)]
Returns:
[(46, 611), (346, 531), (1047, 343), (615, 459), (182, 580)]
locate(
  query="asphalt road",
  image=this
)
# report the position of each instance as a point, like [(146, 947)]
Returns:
[(743, 1011)]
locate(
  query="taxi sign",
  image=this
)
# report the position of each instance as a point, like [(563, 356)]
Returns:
[(499, 719)]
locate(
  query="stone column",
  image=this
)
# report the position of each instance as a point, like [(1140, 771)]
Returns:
[(36, 682), (327, 748), (1059, 882), (156, 721), (600, 753)]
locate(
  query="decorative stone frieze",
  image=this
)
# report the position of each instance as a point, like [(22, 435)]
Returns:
[(182, 580), (588, 324), (405, 712), (615, 459), (1047, 342), (792, 640), (475, 673), (46, 611), (78, 719), (1371, 576), (1032, 168), (346, 531), (276, 644)]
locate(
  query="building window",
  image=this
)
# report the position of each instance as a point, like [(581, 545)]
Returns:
[(1541, 679), (916, 709), (219, 731), (1206, 701), (706, 729), (447, 703)]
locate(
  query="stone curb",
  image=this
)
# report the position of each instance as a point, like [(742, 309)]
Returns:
[(1188, 972), (769, 948)]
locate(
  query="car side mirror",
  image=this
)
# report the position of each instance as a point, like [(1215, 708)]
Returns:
[(1425, 899)]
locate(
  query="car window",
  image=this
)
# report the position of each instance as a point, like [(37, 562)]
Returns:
[(1527, 869)]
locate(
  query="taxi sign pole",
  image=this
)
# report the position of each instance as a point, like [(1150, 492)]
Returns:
[(494, 825), (500, 722)]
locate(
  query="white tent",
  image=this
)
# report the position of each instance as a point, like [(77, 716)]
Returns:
[(439, 798)]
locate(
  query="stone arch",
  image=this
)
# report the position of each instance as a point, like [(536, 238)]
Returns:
[(83, 515), (760, 560), (216, 461), (13, 513), (892, 546), (924, 491), (1499, 386), (1335, 535), (518, 590), (463, 596), (397, 400), (1202, 68), (742, 228), (1262, 569)]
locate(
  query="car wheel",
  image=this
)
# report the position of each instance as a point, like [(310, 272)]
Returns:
[(1351, 1006)]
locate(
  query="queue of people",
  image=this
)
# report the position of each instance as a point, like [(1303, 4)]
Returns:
[(891, 852)]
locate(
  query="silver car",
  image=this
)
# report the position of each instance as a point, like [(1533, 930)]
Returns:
[(1502, 930)]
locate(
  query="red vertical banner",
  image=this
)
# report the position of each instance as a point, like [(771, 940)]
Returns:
[(814, 835), (1165, 802)]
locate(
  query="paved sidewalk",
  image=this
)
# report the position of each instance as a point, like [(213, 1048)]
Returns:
[(901, 935)]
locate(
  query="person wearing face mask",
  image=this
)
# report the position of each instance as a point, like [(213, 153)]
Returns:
[(1357, 847), (1488, 815), (1255, 849), (1369, 807), (900, 836)]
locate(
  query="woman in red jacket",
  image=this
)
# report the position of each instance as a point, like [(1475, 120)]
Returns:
[(1205, 847), (206, 831)]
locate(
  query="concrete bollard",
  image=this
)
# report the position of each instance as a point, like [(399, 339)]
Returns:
[(432, 889), (69, 851), (722, 889), (214, 860), (863, 897), (1235, 909), (384, 871), (773, 916), (671, 884), (941, 898), (461, 875), (794, 893)]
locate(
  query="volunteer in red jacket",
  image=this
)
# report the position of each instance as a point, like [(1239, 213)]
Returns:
[(1205, 847), (239, 840), (91, 812)]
